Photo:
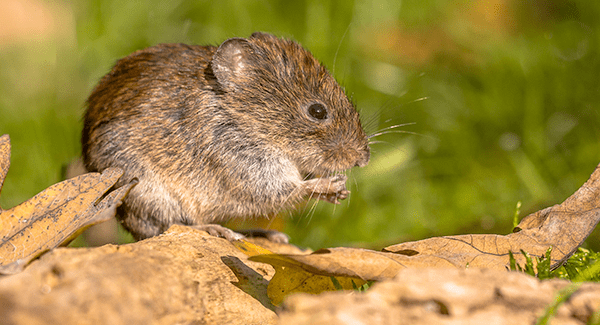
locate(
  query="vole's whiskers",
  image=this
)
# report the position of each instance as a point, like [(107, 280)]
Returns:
[(313, 191), (395, 131), (396, 126), (373, 118), (271, 220), (355, 186), (312, 211), (348, 197), (417, 100), (283, 204), (388, 129), (338, 48)]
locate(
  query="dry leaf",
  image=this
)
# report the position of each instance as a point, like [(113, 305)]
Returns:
[(288, 280), (311, 273), (356, 263), (54, 216), (4, 157), (249, 248), (293, 274), (183, 276), (563, 227), (290, 277)]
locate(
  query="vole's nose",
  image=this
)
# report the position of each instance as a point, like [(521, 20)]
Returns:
[(364, 158)]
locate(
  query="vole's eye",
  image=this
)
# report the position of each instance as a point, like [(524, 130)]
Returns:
[(318, 111)]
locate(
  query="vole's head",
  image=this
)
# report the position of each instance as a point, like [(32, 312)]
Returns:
[(288, 98)]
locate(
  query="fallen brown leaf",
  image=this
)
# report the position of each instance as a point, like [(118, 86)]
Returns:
[(249, 248), (183, 276), (355, 263), (4, 157), (563, 227), (288, 280), (54, 216), (295, 273), (289, 274)]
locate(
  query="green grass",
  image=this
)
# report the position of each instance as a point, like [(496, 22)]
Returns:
[(561, 297), (581, 266), (511, 114)]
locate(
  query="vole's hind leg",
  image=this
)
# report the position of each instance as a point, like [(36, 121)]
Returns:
[(272, 235), (330, 189), (219, 231)]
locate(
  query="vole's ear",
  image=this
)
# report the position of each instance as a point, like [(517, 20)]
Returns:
[(264, 36), (232, 62)]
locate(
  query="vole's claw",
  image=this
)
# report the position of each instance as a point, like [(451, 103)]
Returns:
[(342, 195)]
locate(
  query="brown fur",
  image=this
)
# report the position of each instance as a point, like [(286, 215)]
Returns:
[(214, 133)]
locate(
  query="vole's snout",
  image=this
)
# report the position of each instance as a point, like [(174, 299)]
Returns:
[(363, 160), (342, 159)]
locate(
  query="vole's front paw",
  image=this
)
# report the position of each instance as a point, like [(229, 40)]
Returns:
[(330, 189)]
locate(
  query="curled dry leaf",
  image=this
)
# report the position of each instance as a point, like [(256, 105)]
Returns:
[(183, 276), (355, 263), (289, 276), (563, 227), (351, 267), (288, 280), (250, 249), (4, 157), (56, 215), (296, 273)]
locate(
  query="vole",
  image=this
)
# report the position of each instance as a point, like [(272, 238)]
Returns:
[(243, 129)]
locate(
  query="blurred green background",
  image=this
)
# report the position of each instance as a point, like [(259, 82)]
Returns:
[(504, 95)]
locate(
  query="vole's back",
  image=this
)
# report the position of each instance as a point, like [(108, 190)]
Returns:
[(143, 117), (149, 78)]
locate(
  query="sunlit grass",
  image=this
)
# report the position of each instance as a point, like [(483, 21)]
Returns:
[(511, 112)]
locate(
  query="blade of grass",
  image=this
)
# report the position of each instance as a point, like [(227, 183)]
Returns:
[(562, 296)]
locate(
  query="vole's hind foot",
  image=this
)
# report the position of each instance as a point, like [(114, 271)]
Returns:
[(219, 231), (272, 235), (330, 189)]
